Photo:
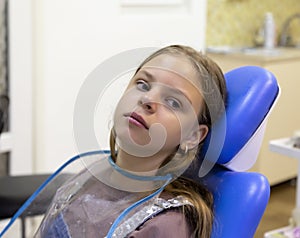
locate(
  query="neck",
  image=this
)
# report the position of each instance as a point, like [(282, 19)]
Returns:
[(146, 165), (137, 166)]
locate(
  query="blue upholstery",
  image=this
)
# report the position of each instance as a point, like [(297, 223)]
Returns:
[(240, 197), (240, 200), (251, 92)]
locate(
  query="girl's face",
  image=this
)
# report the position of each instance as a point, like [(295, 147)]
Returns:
[(159, 109)]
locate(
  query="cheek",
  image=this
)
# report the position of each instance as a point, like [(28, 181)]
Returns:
[(127, 102), (180, 127), (173, 128)]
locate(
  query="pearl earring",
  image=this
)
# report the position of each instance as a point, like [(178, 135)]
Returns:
[(185, 149)]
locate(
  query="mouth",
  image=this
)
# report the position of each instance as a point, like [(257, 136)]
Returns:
[(137, 120)]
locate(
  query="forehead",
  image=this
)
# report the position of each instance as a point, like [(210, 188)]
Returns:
[(178, 65)]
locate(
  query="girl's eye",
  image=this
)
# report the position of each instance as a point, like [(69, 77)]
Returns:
[(173, 103), (142, 85)]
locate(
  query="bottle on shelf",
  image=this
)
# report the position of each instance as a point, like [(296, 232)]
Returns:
[(269, 31)]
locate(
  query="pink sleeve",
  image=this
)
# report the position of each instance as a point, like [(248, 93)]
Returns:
[(168, 224)]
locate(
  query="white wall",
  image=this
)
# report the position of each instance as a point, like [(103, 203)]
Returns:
[(71, 37), (18, 141)]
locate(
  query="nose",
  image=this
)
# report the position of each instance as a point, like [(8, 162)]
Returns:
[(148, 103)]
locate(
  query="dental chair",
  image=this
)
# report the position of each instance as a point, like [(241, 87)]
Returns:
[(240, 197)]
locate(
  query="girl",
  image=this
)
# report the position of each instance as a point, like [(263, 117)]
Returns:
[(160, 122)]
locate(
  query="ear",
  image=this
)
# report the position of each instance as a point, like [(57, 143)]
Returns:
[(197, 136)]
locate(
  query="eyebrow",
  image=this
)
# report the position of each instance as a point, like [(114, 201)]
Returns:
[(148, 75), (151, 78)]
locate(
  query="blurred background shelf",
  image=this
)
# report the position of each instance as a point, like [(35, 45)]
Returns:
[(286, 147)]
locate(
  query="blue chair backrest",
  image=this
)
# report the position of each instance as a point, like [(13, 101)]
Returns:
[(240, 198)]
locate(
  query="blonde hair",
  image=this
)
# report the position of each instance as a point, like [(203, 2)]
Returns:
[(213, 89)]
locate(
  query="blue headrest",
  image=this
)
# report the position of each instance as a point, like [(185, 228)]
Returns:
[(252, 91)]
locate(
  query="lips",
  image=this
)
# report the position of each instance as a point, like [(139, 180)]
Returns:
[(137, 120)]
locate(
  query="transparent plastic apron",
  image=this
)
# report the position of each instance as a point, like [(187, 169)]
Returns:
[(88, 202)]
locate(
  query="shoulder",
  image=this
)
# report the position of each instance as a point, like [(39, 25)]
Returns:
[(170, 223)]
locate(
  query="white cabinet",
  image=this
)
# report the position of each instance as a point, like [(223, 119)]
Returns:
[(285, 118)]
